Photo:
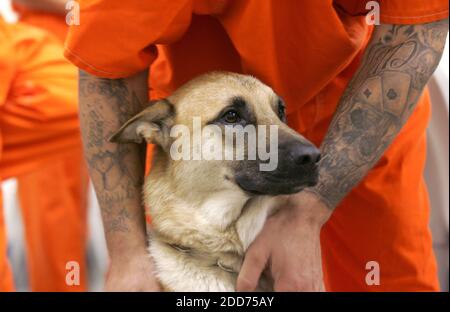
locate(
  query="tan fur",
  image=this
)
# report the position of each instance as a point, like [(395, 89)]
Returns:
[(192, 204)]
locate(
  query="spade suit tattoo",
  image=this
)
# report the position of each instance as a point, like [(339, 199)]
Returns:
[(395, 68)]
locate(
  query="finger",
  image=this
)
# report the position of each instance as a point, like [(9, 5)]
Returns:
[(254, 263)]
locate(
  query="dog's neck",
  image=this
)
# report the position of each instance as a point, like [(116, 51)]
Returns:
[(179, 268), (229, 262), (207, 221), (208, 237)]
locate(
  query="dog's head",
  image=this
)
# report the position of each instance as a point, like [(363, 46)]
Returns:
[(221, 102)]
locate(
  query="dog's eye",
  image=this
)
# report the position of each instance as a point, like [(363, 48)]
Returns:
[(231, 117), (281, 110)]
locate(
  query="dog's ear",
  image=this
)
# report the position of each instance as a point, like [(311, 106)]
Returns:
[(152, 124)]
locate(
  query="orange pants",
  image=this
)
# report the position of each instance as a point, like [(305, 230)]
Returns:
[(43, 215), (39, 131), (55, 224)]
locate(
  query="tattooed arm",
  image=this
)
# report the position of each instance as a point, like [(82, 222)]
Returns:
[(117, 174), (396, 66)]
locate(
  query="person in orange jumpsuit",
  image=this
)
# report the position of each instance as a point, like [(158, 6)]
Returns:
[(39, 131), (364, 227), (59, 217)]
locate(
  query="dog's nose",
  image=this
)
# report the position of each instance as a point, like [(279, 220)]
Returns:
[(305, 155)]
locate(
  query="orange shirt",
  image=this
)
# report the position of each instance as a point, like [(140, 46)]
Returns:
[(307, 51)]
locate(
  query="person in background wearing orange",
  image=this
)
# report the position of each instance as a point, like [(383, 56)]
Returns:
[(356, 90), (41, 146), (55, 223)]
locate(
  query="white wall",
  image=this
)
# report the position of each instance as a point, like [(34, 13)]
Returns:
[(6, 11)]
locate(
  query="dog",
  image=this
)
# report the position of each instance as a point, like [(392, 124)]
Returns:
[(206, 213)]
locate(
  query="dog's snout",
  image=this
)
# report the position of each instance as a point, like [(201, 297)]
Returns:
[(305, 155)]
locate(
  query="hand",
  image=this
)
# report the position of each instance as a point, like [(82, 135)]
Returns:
[(290, 243), (135, 273)]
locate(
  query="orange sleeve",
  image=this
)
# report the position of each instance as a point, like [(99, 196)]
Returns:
[(116, 38), (412, 11), (400, 11)]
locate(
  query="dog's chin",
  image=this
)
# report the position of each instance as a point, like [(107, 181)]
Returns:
[(272, 189)]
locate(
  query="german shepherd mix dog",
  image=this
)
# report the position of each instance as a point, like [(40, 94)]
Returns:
[(206, 213)]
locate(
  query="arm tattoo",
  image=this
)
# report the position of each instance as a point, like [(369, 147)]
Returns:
[(396, 66), (116, 170)]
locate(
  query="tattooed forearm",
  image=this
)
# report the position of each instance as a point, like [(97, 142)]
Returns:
[(396, 66), (116, 170)]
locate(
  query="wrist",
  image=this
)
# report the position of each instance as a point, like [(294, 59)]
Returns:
[(127, 259), (310, 208), (127, 246), (319, 197)]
